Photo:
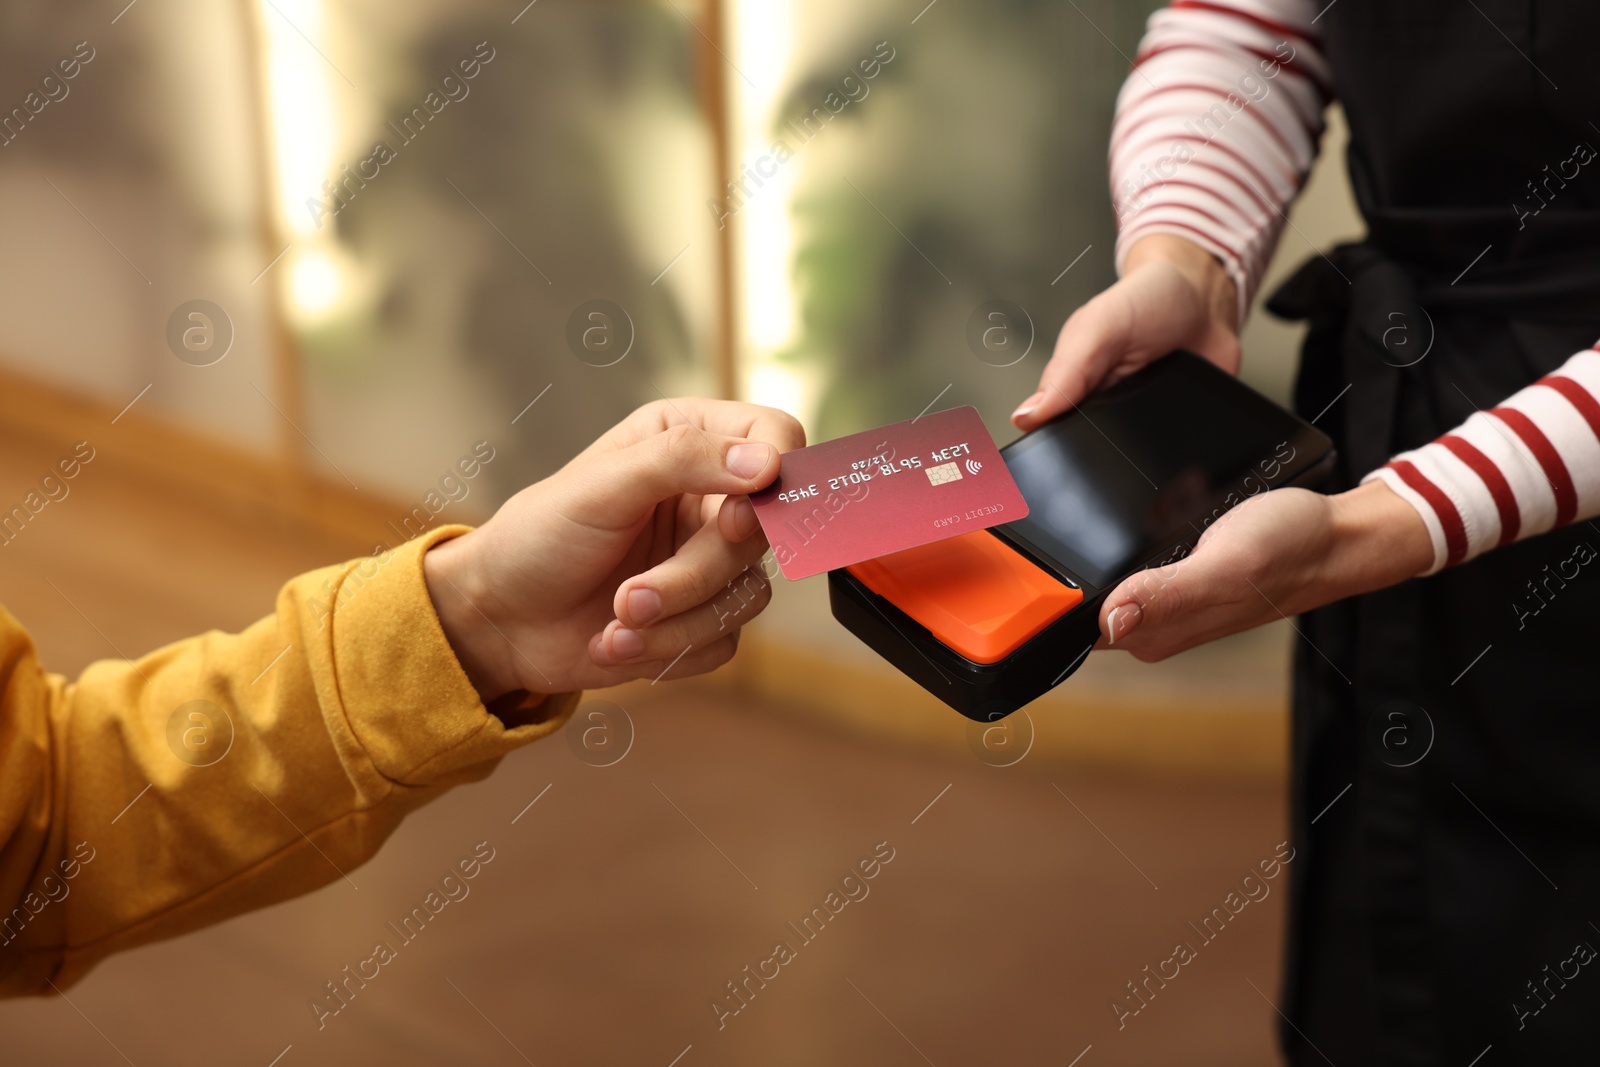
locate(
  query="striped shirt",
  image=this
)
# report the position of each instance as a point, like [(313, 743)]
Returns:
[(1215, 131)]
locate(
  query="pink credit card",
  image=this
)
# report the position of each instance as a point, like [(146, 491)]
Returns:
[(885, 490)]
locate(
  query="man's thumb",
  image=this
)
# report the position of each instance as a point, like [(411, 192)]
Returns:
[(616, 488)]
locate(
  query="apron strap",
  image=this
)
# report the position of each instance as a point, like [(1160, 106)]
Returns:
[(1369, 336)]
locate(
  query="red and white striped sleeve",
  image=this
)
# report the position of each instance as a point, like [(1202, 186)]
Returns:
[(1216, 129), (1528, 465)]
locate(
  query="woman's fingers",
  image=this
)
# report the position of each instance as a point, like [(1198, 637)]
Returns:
[(1260, 562), (1172, 294), (1165, 610), (1089, 345)]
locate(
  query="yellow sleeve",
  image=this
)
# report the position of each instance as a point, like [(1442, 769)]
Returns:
[(125, 818)]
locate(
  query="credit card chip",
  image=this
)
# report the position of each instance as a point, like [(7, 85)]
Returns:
[(943, 473)]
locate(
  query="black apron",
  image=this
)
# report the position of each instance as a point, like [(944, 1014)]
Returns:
[(1446, 763)]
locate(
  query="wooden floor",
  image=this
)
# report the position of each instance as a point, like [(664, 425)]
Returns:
[(1018, 904)]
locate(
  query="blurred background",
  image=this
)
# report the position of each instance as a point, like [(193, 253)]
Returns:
[(283, 262)]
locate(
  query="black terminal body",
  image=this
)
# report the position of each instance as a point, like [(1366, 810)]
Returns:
[(1126, 481)]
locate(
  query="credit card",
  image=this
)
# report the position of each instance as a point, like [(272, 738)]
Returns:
[(886, 490)]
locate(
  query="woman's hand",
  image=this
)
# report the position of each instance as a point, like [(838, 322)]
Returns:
[(1172, 294), (1272, 557), (638, 554)]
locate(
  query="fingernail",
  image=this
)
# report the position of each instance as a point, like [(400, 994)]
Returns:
[(747, 460), (1027, 405), (1122, 621), (744, 518), (626, 643), (643, 605)]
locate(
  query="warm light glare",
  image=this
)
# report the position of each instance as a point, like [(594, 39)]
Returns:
[(316, 285), (301, 109), (776, 385), (762, 30), (302, 105)]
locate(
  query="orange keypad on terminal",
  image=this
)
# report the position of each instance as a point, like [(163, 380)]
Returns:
[(974, 593)]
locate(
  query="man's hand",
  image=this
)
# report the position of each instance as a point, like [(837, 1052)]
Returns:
[(1272, 557), (640, 552), (1173, 294)]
